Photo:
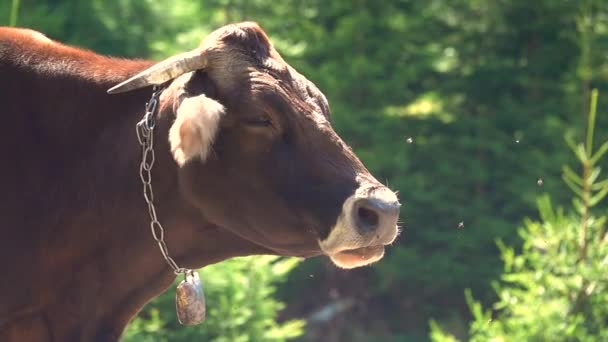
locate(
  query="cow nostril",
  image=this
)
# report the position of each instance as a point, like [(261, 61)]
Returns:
[(374, 214), (368, 219)]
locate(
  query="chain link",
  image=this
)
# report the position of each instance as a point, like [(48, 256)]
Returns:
[(145, 136)]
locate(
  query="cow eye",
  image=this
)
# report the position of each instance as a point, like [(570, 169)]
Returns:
[(258, 121)]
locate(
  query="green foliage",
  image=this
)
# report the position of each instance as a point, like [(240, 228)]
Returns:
[(240, 306), (438, 334), (14, 13), (556, 288)]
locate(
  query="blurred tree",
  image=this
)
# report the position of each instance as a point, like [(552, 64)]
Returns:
[(556, 288), (12, 21)]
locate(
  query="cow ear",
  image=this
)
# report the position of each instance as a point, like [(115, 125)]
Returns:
[(196, 124)]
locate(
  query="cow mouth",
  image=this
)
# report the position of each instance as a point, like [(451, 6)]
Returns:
[(352, 258)]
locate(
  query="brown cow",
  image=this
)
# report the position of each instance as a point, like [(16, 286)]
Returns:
[(246, 163)]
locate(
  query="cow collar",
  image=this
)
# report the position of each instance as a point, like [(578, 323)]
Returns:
[(189, 299)]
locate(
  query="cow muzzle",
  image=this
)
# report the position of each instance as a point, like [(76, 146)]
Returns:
[(368, 222)]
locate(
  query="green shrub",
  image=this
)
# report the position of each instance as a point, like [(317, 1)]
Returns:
[(240, 306), (556, 288)]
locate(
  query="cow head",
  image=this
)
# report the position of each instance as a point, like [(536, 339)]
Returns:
[(257, 154)]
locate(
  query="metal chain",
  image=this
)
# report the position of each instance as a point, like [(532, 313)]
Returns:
[(145, 136)]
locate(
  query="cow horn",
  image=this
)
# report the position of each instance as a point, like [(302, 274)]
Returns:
[(164, 71)]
